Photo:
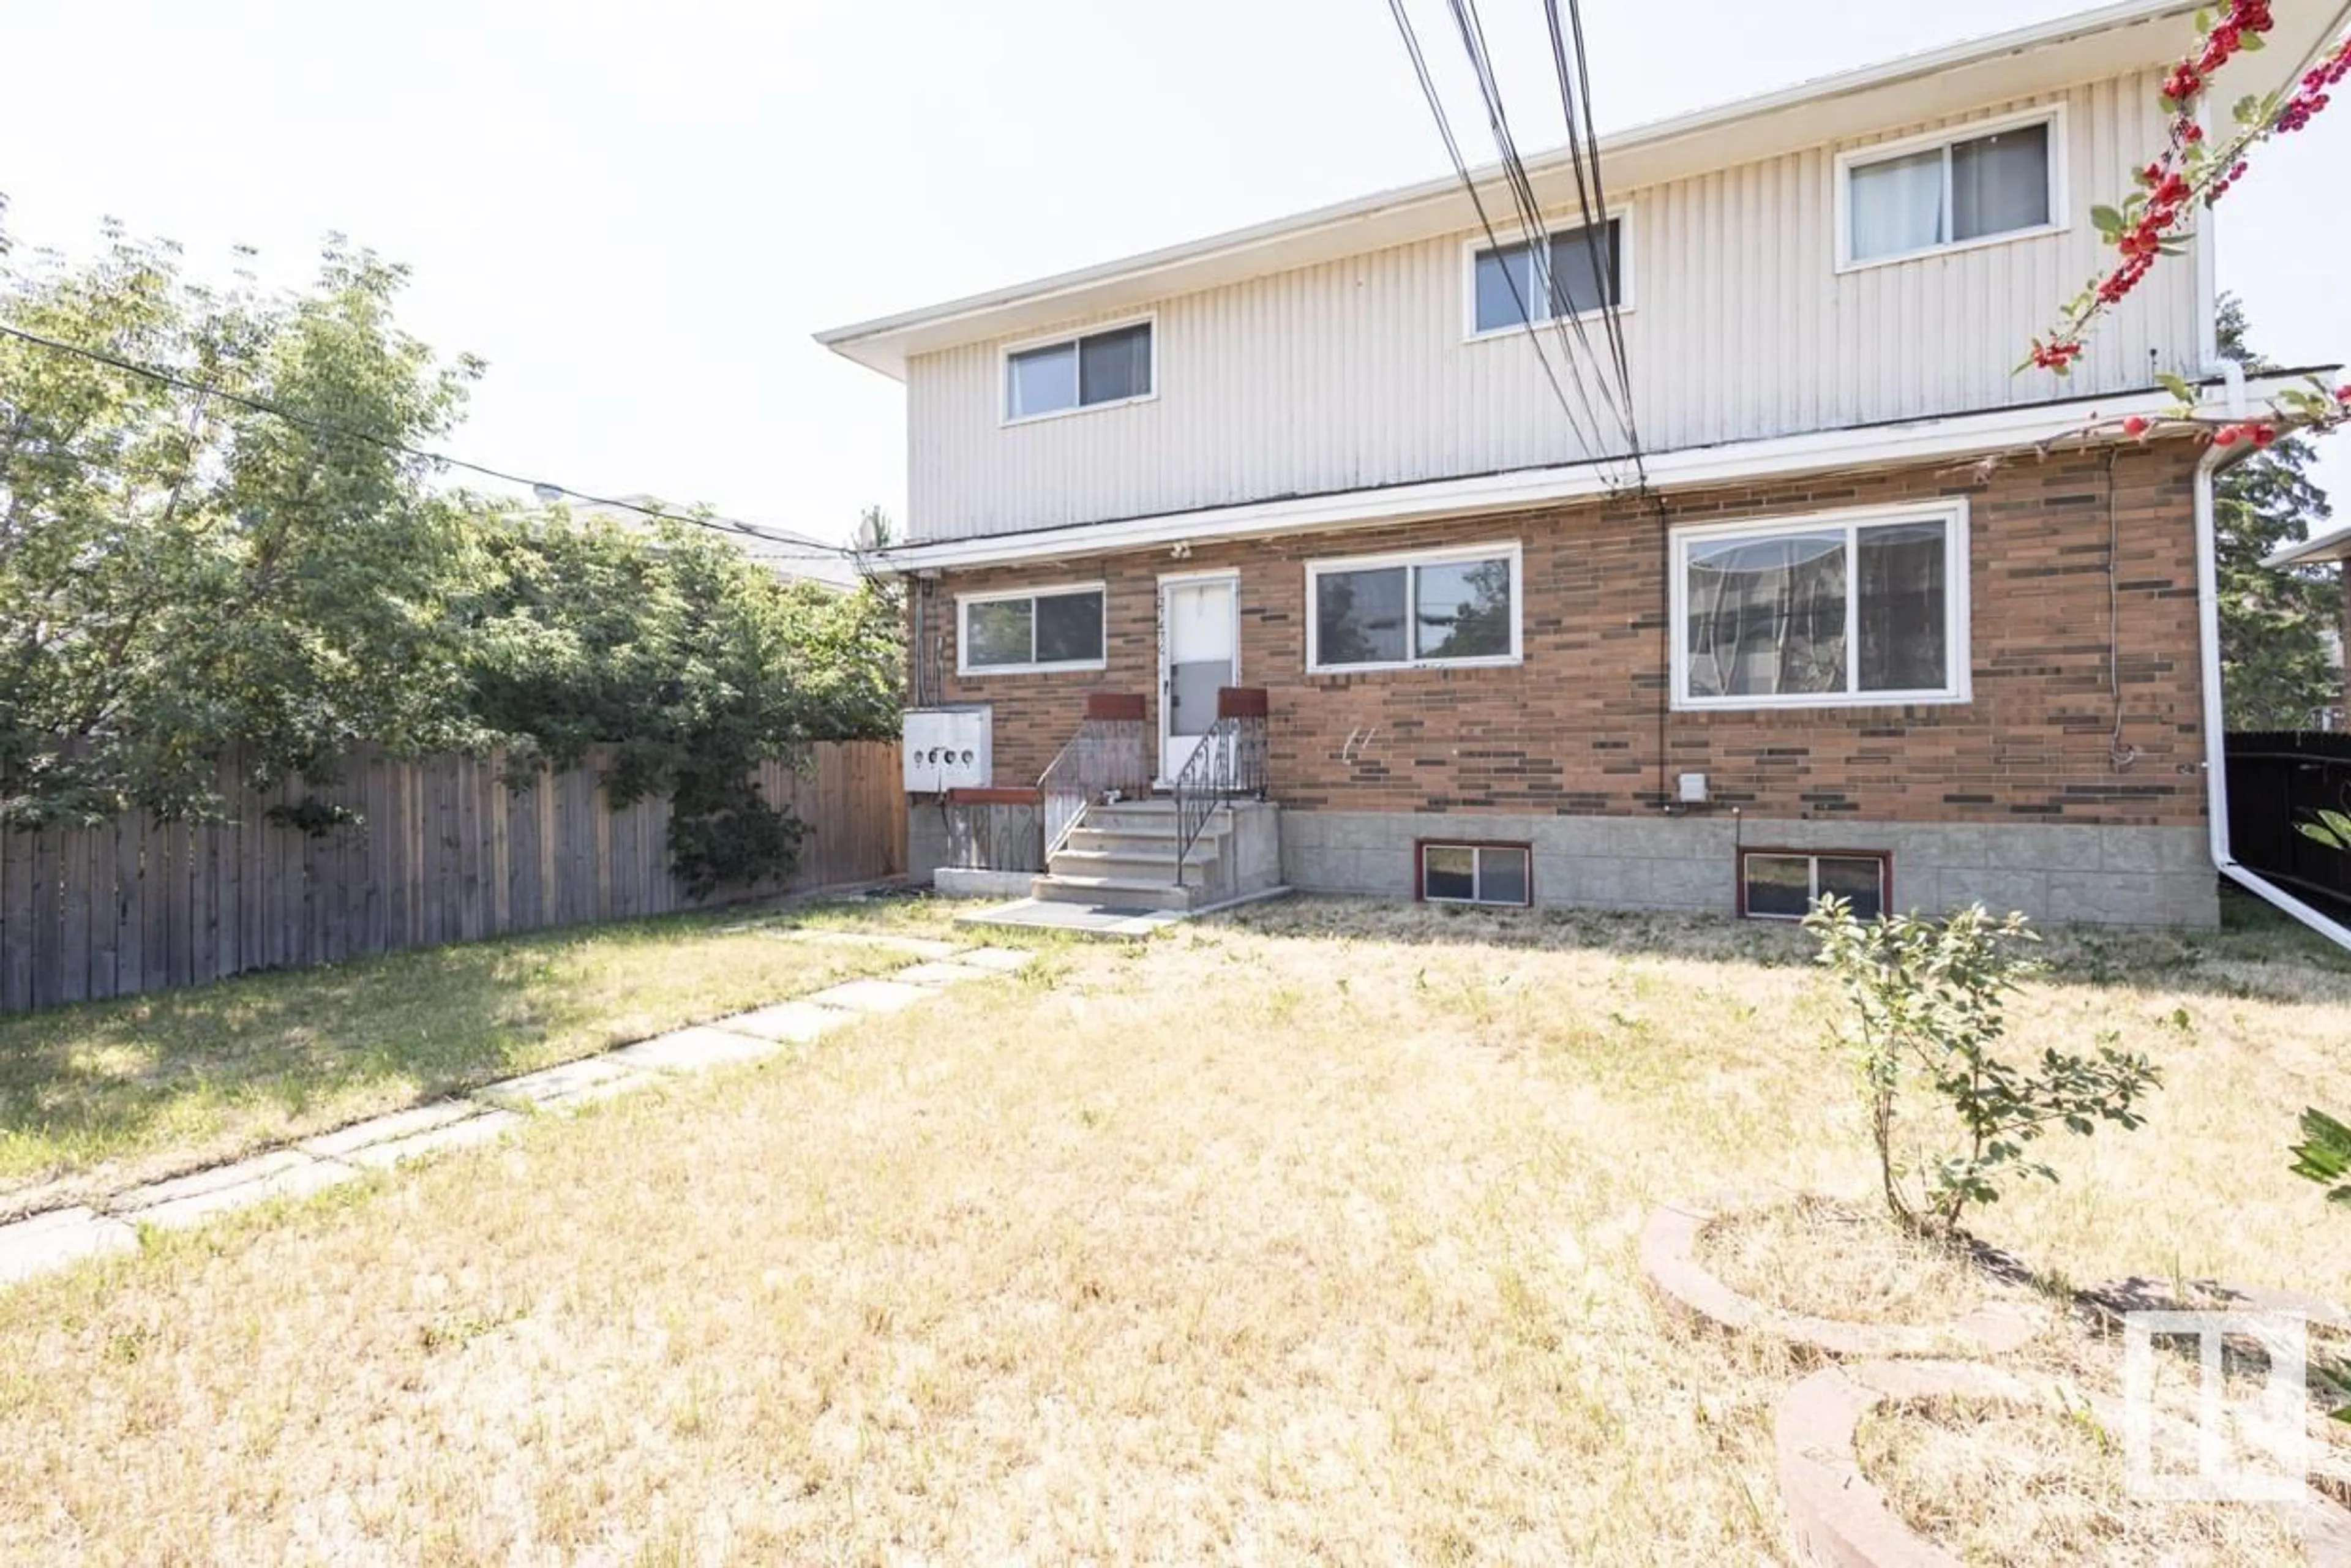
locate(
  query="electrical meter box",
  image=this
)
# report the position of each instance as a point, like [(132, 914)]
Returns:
[(949, 748)]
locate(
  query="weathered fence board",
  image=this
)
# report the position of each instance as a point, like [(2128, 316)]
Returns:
[(442, 852)]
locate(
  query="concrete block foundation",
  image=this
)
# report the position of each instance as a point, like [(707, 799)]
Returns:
[(2057, 873)]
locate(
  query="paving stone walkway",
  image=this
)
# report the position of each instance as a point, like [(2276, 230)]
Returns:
[(59, 1236)]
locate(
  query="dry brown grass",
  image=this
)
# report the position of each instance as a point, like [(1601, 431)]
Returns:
[(1306, 1236), (2022, 1488), (1831, 1259)]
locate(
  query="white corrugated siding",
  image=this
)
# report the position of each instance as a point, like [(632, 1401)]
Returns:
[(1355, 373)]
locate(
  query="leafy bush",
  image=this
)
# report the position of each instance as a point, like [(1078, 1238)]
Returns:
[(185, 575), (1927, 998)]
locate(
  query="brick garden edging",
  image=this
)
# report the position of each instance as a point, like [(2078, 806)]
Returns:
[(1843, 1522), (1669, 1258)]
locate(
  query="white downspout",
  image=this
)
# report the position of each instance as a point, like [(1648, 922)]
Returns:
[(2215, 736)]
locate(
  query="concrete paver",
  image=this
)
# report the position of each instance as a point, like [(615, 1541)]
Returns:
[(51, 1240), (871, 995), (696, 1049), (472, 1129)]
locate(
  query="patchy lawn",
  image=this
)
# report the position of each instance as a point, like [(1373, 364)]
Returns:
[(114, 1091), (1305, 1235)]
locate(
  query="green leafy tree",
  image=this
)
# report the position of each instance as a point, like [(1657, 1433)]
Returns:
[(216, 539), (2275, 672), (179, 572)]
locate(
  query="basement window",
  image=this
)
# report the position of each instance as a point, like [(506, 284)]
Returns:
[(1094, 370), (1476, 873), (1781, 884), (1025, 630)]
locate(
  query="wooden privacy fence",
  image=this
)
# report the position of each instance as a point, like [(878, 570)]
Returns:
[(442, 852)]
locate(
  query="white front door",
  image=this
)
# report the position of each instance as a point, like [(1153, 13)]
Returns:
[(1199, 650)]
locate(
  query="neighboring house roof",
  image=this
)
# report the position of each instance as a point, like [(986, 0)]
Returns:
[(2334, 545), (787, 555), (2109, 41)]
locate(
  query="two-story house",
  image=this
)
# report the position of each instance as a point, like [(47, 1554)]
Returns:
[(1841, 627)]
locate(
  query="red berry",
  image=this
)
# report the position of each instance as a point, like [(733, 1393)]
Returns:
[(2135, 424), (2225, 437), (2263, 434)]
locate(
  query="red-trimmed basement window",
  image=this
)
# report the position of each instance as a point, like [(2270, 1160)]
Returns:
[(1780, 884), (1473, 874)]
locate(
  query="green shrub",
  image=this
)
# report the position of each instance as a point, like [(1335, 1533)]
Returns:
[(1927, 998)]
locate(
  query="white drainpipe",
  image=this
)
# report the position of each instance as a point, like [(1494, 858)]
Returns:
[(2216, 737)]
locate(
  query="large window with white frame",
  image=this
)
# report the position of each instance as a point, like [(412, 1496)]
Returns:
[(1025, 630), (1835, 608), (1969, 186), (1570, 272), (1092, 370), (1420, 608)]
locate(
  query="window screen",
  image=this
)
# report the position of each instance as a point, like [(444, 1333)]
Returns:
[(1100, 367)]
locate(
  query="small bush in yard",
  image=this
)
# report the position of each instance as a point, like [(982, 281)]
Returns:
[(1927, 998)]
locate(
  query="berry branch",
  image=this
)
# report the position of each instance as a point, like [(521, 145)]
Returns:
[(2197, 169)]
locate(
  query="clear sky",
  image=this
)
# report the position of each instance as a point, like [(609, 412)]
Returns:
[(639, 213)]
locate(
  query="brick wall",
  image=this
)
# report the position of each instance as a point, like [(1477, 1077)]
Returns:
[(1578, 728)]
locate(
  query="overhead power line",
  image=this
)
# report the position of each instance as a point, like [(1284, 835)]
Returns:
[(805, 547), (1485, 221), (1584, 153), (1540, 269)]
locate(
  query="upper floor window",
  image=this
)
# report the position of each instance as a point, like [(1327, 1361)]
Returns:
[(1025, 630), (1106, 367), (1923, 196), (1811, 611), (1572, 272), (1429, 607)]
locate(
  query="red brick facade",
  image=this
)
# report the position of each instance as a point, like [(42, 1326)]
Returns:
[(1583, 727)]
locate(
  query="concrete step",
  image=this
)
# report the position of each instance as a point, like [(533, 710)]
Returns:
[(1112, 892), (1129, 865), (1141, 840)]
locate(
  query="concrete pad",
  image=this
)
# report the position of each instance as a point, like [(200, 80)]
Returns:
[(798, 1022), (260, 1167), (481, 1128), (1003, 960), (871, 995), (946, 972), (571, 1083), (693, 1049), (53, 1239), (1079, 919), (345, 1141), (302, 1177), (911, 946)]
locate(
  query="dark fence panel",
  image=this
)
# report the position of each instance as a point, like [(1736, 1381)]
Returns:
[(2277, 778)]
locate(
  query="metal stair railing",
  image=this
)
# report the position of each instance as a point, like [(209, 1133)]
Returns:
[(1229, 762), (1105, 755)]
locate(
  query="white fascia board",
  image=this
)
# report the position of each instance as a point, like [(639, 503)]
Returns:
[(2334, 546), (1690, 468)]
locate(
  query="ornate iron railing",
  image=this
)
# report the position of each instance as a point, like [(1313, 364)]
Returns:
[(1230, 763), (1106, 756)]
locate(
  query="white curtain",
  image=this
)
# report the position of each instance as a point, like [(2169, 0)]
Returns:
[(1897, 205)]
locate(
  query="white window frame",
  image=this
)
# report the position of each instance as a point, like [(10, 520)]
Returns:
[(1952, 513), (1478, 244), (1813, 859), (963, 601), (2061, 212), (1317, 570), (1006, 352), (1478, 874)]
